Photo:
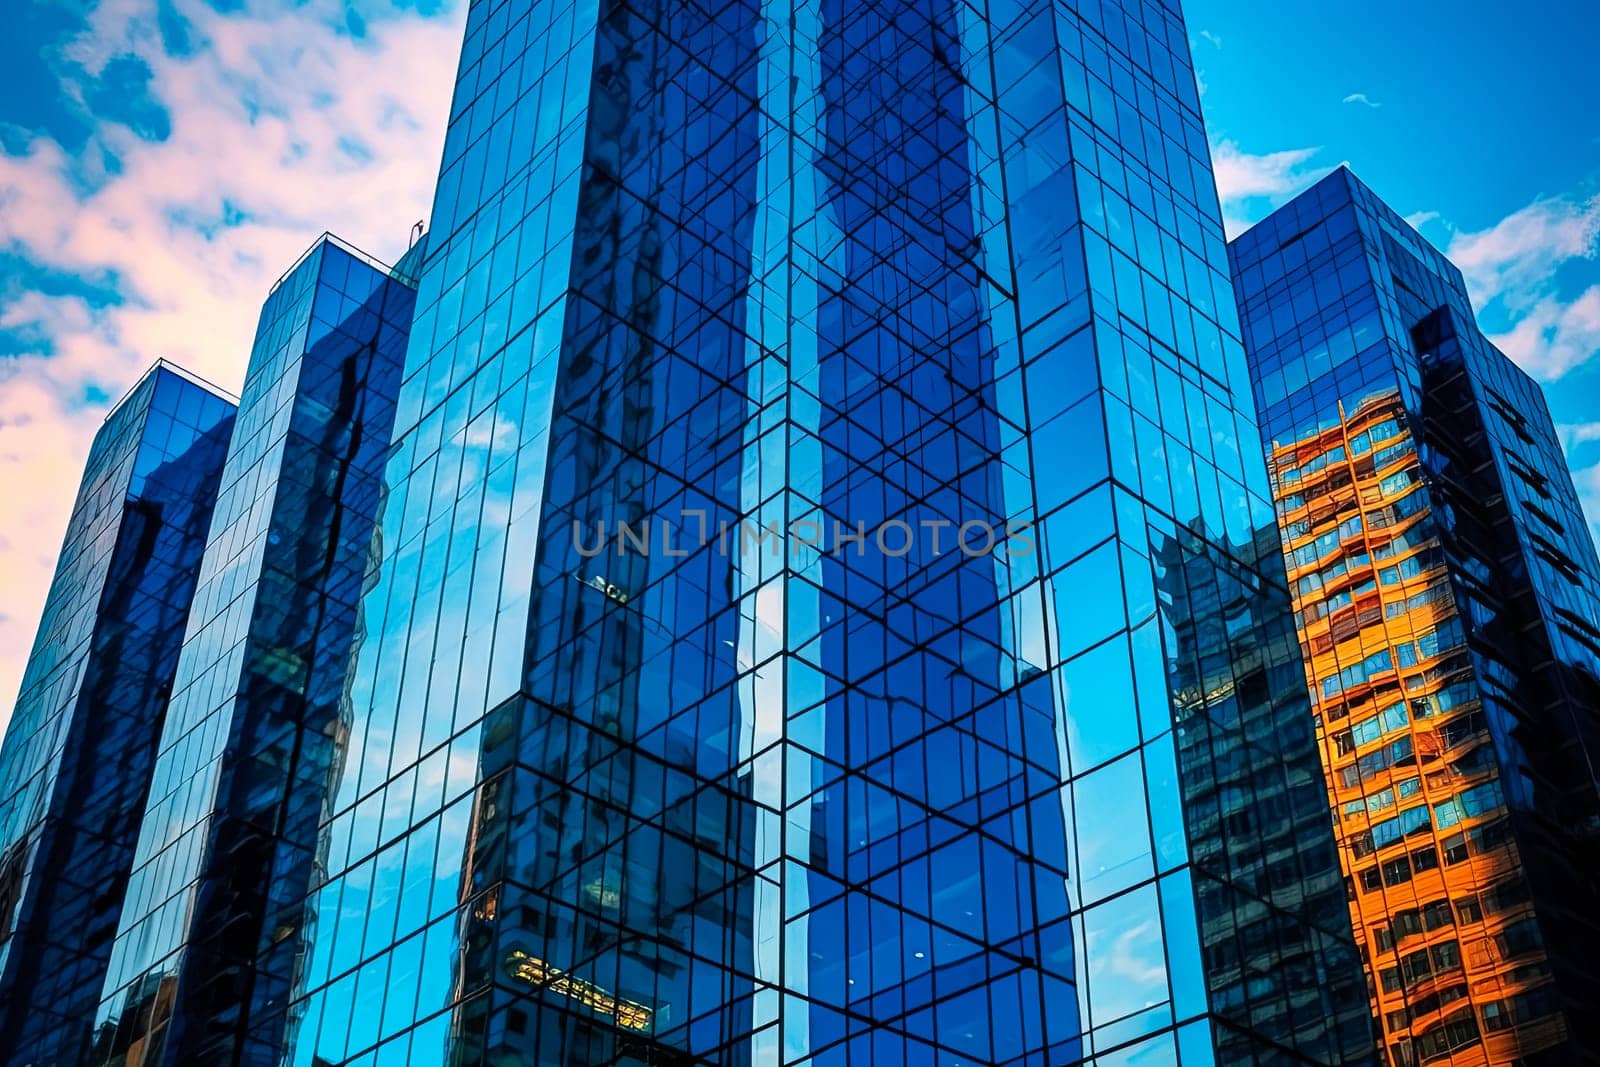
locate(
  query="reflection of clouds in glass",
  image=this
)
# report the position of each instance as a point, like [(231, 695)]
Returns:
[(1113, 829), (1126, 956), (1131, 957)]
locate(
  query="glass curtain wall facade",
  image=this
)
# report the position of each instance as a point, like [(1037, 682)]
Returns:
[(1448, 599), (720, 289), (210, 938), (81, 743)]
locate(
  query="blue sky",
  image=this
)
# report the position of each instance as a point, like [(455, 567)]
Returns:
[(162, 161)]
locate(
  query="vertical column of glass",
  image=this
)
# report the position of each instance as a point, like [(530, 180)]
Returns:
[(138, 997), (915, 760), (445, 622), (1207, 728), (617, 858), (794, 235), (1124, 926), (203, 948), (244, 937)]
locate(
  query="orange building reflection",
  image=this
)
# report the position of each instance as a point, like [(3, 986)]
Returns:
[(1455, 965)]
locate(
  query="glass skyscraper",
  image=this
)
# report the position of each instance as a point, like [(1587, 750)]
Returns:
[(1448, 598), (829, 608), (210, 935), (78, 753)]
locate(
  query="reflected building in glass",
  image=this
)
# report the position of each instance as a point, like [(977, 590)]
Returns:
[(81, 744), (210, 937), (1447, 597), (822, 612)]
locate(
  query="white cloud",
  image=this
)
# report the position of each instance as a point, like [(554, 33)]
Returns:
[(1249, 185), (1511, 269), (1418, 219), (1214, 39), (1363, 99), (1587, 481), (1575, 440), (1241, 175), (1574, 434), (1514, 258), (276, 120), (1554, 335)]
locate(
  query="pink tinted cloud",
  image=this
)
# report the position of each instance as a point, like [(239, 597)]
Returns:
[(264, 116)]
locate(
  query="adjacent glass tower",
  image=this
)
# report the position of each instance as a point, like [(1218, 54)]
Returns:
[(82, 740), (210, 938), (829, 609), (1448, 599)]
